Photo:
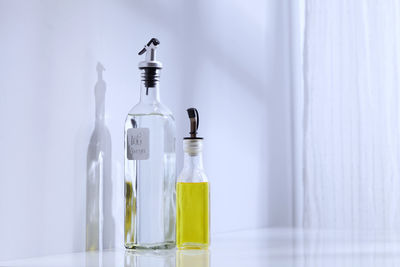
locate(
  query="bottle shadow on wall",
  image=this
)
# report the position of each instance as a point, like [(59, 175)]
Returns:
[(100, 224)]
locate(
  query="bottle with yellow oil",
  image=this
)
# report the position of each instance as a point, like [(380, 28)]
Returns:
[(192, 193)]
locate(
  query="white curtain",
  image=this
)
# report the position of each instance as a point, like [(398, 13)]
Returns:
[(351, 148)]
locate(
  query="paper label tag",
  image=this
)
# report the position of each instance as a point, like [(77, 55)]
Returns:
[(138, 146)]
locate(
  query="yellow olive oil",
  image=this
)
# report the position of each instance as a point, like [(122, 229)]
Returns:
[(130, 211), (192, 221)]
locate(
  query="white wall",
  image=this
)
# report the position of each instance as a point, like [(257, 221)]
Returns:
[(230, 59)]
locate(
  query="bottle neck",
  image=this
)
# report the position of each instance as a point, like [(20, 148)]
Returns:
[(149, 95), (100, 97), (99, 121), (193, 161), (193, 156)]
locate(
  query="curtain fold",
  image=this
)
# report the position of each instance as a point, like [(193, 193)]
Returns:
[(351, 122)]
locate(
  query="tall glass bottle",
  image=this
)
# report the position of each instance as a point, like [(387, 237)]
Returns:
[(192, 221), (150, 164)]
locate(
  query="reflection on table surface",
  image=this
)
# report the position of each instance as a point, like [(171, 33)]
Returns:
[(167, 258), (263, 247), (192, 258)]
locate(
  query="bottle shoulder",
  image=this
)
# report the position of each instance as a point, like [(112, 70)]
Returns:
[(189, 175), (100, 134), (158, 108)]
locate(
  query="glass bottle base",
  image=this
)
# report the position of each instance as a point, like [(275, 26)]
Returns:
[(192, 246), (165, 245)]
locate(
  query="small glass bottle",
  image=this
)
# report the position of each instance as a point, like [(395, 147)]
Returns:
[(150, 164), (192, 221)]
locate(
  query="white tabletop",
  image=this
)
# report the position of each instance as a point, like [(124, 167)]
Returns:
[(264, 247)]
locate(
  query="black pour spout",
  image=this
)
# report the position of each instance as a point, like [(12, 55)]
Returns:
[(194, 123)]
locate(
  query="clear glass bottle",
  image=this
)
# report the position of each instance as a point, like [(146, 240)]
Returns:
[(150, 164), (192, 219)]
